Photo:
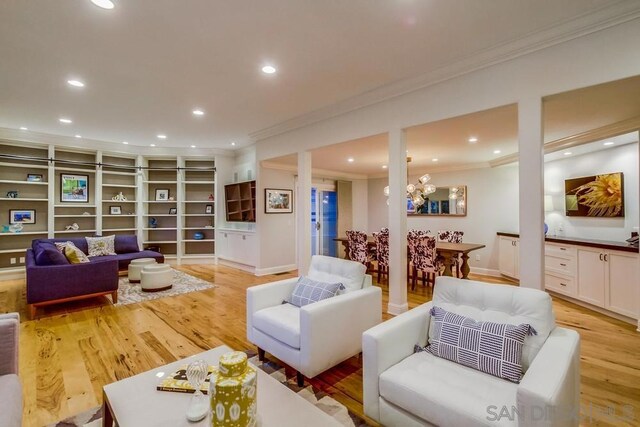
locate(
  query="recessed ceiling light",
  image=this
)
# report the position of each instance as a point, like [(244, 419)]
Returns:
[(161, 136), (125, 142), (434, 160), (78, 136), (269, 69), (567, 153), (152, 145), (104, 4), (193, 146), (65, 121), (473, 140), (384, 166), (198, 112), (609, 143), (351, 160), (233, 143), (23, 128), (497, 151), (76, 83)]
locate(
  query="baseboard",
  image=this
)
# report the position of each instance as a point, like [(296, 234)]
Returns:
[(13, 273), (275, 270), (198, 259), (396, 309), (486, 271), (233, 264), (597, 309)]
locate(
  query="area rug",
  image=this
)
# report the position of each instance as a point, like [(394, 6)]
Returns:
[(182, 283), (324, 402)]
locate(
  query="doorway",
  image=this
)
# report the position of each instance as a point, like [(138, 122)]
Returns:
[(324, 220)]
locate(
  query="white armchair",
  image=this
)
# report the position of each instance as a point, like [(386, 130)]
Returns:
[(403, 388), (10, 388), (318, 336)]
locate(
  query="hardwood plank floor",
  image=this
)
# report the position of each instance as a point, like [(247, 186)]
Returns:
[(72, 350)]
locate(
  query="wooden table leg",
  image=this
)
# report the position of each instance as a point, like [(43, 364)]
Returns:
[(447, 261), (345, 245), (465, 266), (107, 416)]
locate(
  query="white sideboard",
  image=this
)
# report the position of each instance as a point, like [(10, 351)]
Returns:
[(238, 248), (601, 277)]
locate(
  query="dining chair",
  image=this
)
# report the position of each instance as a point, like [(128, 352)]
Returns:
[(382, 252), (412, 236), (453, 237), (358, 250), (425, 259)]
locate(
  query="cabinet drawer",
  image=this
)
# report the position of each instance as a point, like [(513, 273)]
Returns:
[(559, 250), (562, 285), (564, 265)]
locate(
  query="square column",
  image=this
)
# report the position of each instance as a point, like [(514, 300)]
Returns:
[(303, 209), (531, 186), (397, 222)]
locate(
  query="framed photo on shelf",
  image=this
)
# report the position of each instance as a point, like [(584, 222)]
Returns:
[(22, 216), (162, 194), (208, 209), (115, 210), (173, 211), (34, 177), (278, 201), (74, 188)]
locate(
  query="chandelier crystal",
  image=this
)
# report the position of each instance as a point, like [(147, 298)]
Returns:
[(416, 192)]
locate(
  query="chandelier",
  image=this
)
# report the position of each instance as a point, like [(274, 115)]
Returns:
[(417, 192)]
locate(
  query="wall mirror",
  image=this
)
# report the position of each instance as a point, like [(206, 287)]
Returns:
[(441, 201)]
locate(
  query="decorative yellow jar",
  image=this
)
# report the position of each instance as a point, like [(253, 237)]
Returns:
[(233, 390)]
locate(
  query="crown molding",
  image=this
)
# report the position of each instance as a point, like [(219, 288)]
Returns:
[(579, 26), (315, 172), (21, 137)]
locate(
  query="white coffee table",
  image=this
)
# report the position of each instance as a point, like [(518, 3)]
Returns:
[(135, 402)]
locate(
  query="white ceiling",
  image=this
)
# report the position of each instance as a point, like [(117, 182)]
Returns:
[(148, 63), (565, 115)]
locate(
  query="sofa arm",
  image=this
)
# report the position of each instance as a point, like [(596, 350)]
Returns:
[(9, 340), (549, 393), (388, 344), (51, 282), (267, 295), (331, 330)]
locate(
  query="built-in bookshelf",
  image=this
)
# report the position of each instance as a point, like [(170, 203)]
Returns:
[(119, 180), (198, 208), (160, 205), (240, 199)]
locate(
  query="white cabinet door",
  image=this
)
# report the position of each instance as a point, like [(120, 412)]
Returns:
[(591, 276), (222, 244), (507, 251), (622, 293), (249, 249)]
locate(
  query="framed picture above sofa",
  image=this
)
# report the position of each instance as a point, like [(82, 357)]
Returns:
[(22, 216)]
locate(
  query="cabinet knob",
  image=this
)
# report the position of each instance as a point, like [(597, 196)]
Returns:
[(563, 284), (601, 258), (244, 237), (564, 265), (606, 257), (563, 249)]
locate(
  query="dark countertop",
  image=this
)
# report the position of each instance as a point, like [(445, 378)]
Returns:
[(603, 244)]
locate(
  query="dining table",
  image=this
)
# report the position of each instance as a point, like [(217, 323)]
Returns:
[(446, 250)]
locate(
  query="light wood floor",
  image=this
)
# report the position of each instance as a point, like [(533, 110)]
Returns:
[(72, 350)]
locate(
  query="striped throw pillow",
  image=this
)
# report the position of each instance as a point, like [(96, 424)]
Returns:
[(308, 291), (493, 348)]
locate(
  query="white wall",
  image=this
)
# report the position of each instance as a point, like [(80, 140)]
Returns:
[(619, 159), (360, 197), (492, 204)]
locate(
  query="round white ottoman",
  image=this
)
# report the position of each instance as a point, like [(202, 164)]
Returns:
[(135, 267), (156, 277)]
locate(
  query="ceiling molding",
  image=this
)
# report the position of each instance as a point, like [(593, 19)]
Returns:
[(317, 173), (85, 144), (581, 25)]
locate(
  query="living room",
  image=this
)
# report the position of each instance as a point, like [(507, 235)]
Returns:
[(192, 183)]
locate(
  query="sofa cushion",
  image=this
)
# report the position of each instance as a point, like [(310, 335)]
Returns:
[(80, 242), (72, 253), (46, 253), (126, 243), (281, 322), (500, 304), (308, 291), (11, 402), (493, 348), (445, 393), (335, 270), (125, 259), (101, 246)]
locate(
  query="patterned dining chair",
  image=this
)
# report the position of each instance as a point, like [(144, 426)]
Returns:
[(358, 250), (412, 237), (425, 260), (453, 237), (382, 252)]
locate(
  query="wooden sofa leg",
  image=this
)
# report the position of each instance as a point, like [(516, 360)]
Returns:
[(300, 379), (260, 354), (114, 296), (32, 311)]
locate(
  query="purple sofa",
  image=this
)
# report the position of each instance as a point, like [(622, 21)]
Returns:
[(51, 278)]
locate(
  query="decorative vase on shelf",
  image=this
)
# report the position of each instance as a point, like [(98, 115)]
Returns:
[(198, 235), (12, 194), (211, 197), (16, 228), (233, 392), (153, 222)]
